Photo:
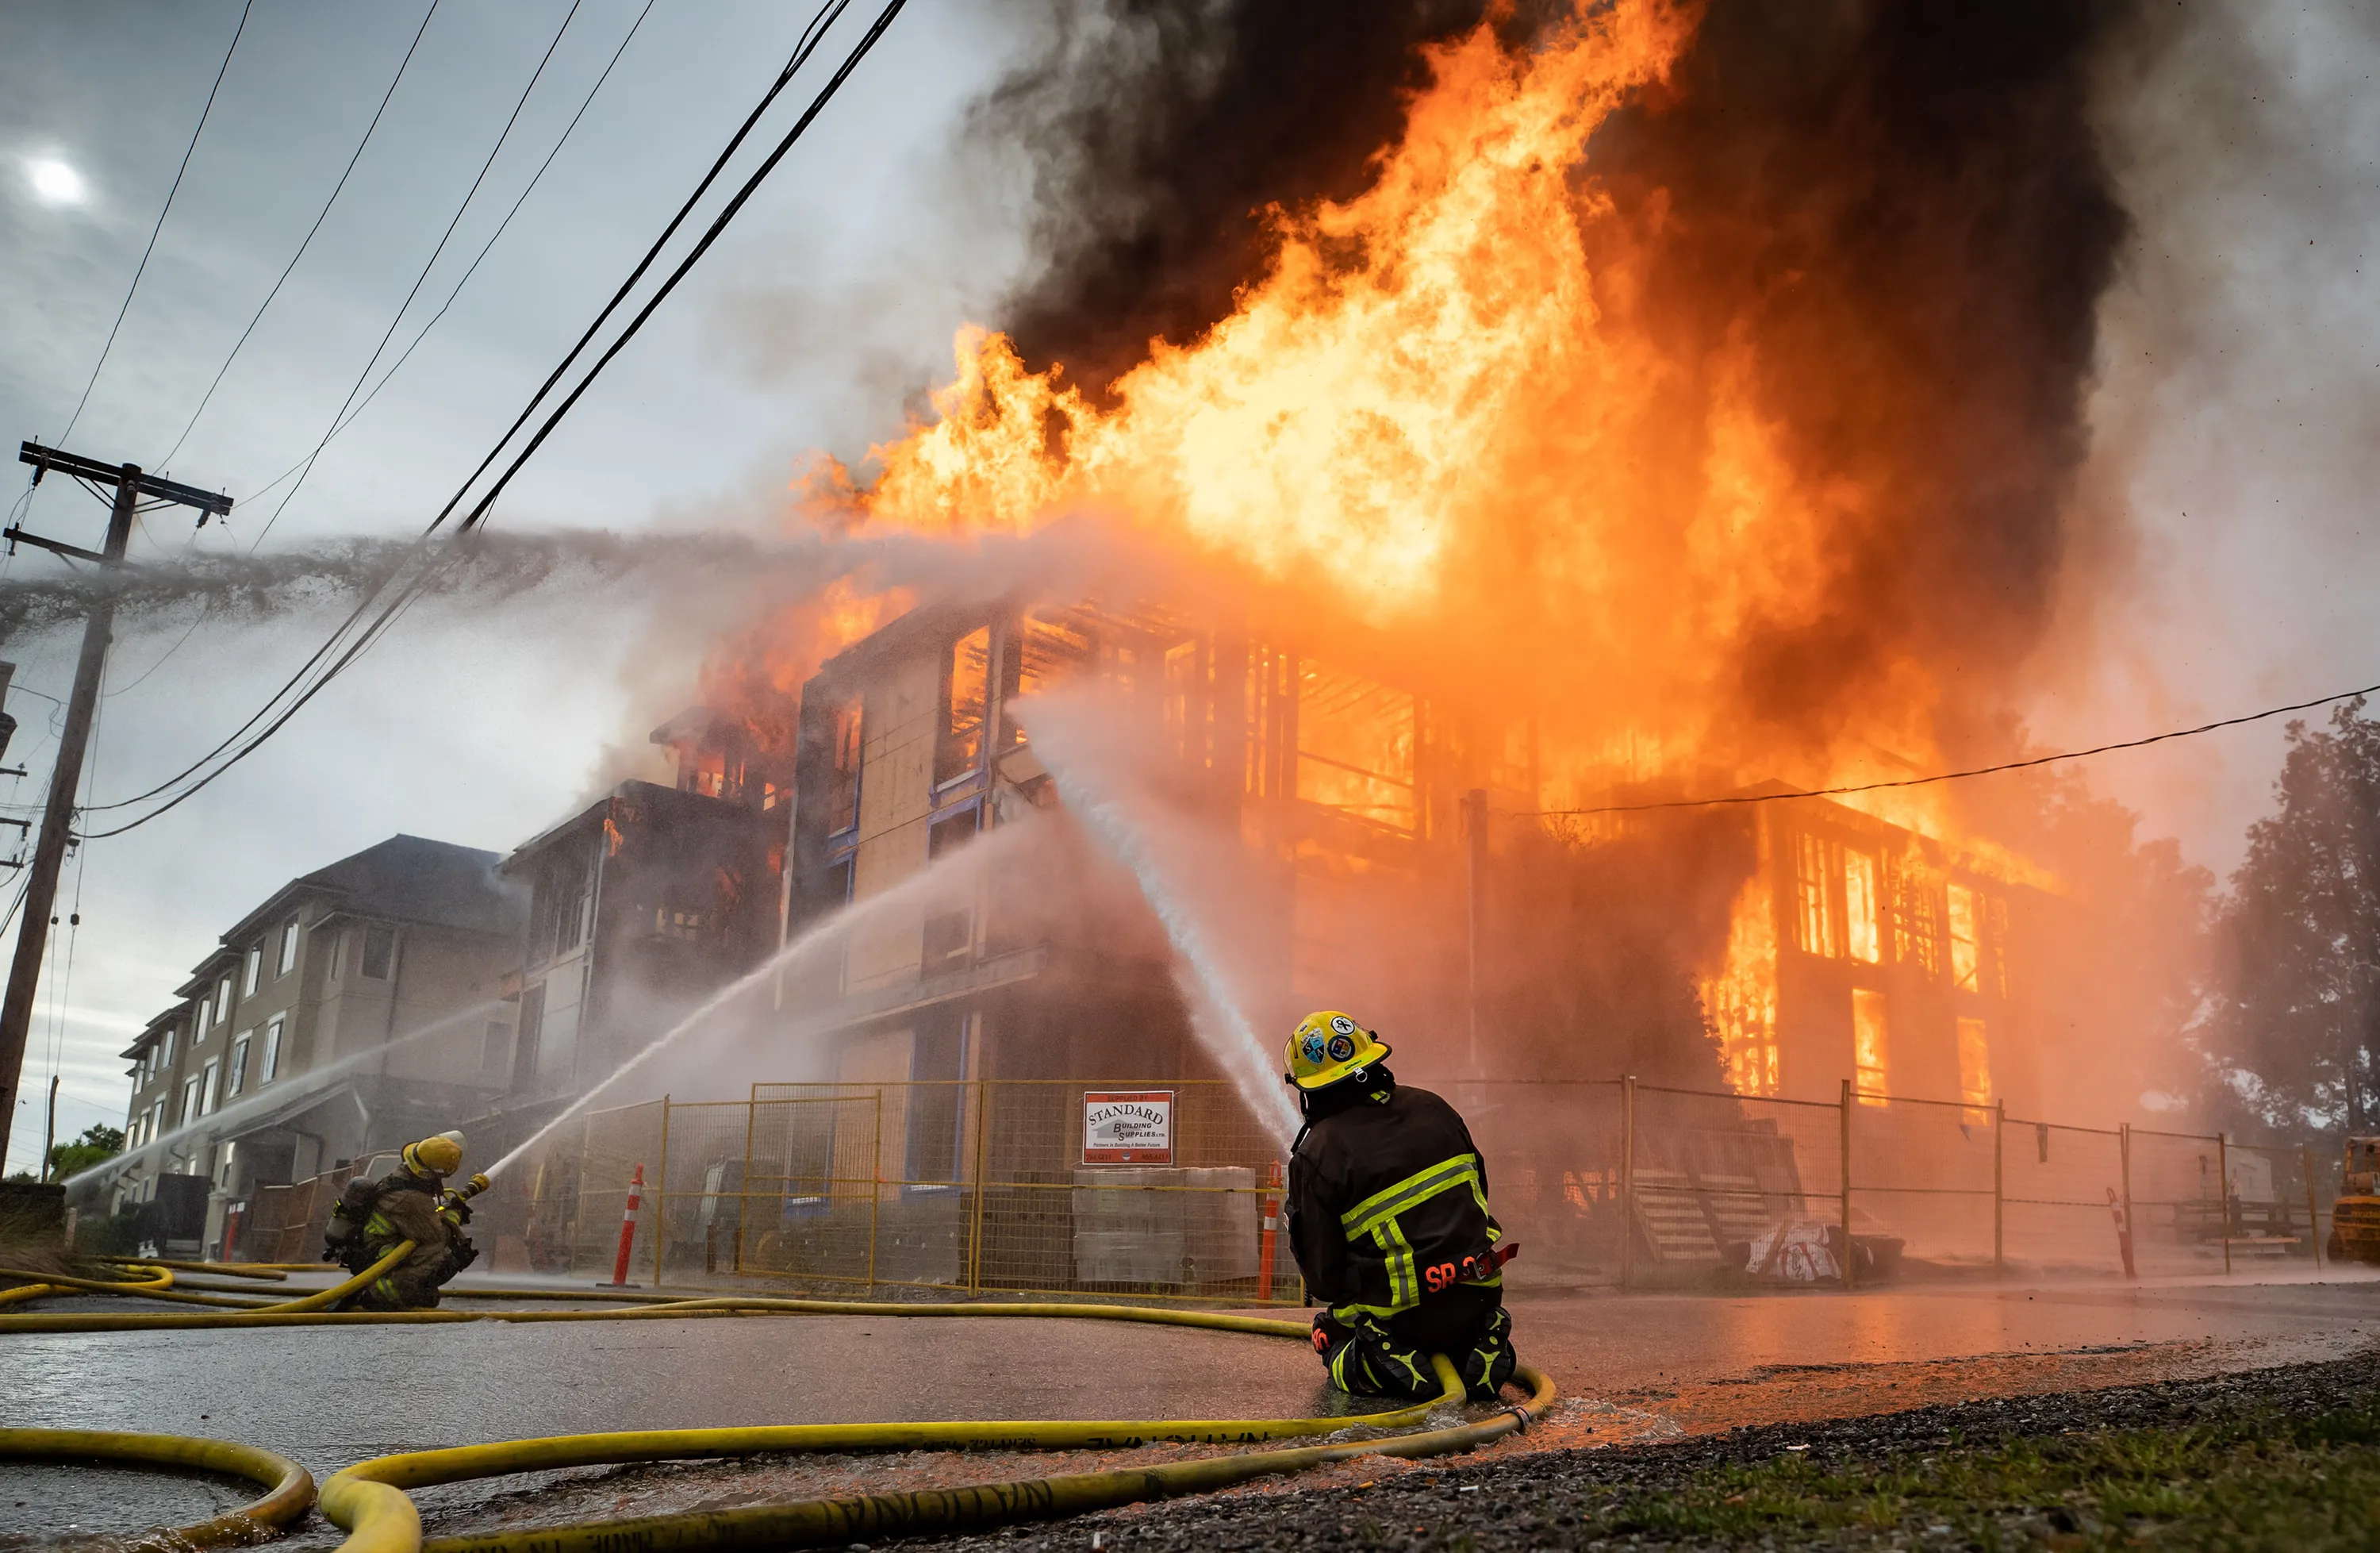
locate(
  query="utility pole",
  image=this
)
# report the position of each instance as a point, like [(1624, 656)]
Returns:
[(83, 705)]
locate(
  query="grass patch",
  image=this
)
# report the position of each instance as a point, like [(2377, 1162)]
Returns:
[(2261, 1479)]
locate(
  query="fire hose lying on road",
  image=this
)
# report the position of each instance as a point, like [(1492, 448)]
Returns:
[(367, 1500)]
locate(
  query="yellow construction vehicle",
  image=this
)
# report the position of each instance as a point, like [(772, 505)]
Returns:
[(2355, 1217)]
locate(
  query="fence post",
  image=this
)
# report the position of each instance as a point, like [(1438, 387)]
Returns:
[(743, 1182), (1999, 1189), (982, 1152), (2313, 1214), (661, 1198), (2223, 1193), (2124, 1167), (1846, 1151), (875, 1187), (1628, 1182)]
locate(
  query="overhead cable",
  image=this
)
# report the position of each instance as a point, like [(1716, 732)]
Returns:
[(444, 238), (143, 267), (410, 589), (305, 242), (2024, 765), (804, 46)]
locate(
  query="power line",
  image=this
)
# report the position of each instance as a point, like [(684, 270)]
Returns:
[(866, 41), (523, 198), (307, 242), (143, 266), (307, 464), (444, 238), (813, 35), (411, 588), (341, 423), (1957, 776)]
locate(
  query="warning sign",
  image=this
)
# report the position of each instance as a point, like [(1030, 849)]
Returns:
[(1128, 1127)]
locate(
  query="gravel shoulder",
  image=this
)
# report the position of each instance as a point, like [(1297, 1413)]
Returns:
[(2287, 1457)]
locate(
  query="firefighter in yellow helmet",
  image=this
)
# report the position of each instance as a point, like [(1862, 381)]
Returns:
[(1388, 1215), (409, 1203)]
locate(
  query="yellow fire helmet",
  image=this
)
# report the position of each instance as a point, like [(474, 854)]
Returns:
[(1327, 1046), (441, 1156)]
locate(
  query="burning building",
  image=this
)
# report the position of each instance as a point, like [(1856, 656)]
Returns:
[(1852, 949), (1635, 422)]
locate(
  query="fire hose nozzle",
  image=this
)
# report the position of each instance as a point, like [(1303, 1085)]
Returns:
[(468, 1191)]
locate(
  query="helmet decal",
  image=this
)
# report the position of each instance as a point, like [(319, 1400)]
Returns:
[(1342, 1024), (1341, 1046), (1313, 1045)]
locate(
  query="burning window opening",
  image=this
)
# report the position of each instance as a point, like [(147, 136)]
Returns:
[(1975, 1062), (1862, 941), (1870, 1073), (1966, 947), (966, 696)]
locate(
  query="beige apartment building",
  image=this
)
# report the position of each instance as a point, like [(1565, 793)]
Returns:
[(355, 1008)]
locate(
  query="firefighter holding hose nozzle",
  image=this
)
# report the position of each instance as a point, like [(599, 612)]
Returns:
[(1388, 1215), (409, 1203)]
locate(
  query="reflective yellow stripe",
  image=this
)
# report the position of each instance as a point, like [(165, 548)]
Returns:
[(1404, 1287), (1388, 1203)]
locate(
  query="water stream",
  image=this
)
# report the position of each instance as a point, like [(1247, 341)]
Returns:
[(297, 1087), (1072, 735), (942, 873)]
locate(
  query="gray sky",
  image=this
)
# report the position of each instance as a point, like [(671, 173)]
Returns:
[(2233, 420)]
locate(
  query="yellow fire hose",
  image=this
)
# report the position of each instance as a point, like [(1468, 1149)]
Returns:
[(289, 1487), (44, 1285), (369, 1502), (162, 1289), (276, 1272)]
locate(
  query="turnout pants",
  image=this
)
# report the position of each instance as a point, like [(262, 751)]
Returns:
[(1371, 1358)]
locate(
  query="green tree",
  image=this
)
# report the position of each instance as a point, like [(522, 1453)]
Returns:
[(2290, 1029), (97, 1144)]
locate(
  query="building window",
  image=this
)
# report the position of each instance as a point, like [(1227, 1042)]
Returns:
[(222, 1000), (558, 909), (289, 947), (167, 1060), (532, 1023), (189, 1101), (843, 798), (1915, 914), (1870, 1073), (1966, 946), (1813, 896), (224, 1159), (270, 1067), (210, 1074), (199, 1025), (254, 969), (1974, 1063), (1996, 947), (235, 1078), (380, 953), (1862, 936), (496, 1047), (156, 1120), (966, 692)]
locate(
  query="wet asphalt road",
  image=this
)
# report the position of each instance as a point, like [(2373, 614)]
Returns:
[(335, 1396)]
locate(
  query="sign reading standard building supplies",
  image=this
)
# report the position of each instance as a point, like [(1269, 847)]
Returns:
[(1128, 1127)]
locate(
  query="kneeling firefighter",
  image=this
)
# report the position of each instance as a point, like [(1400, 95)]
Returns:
[(1388, 1215), (409, 1203)]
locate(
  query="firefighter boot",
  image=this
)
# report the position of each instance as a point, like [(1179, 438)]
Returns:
[(1489, 1362), (1364, 1360)]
